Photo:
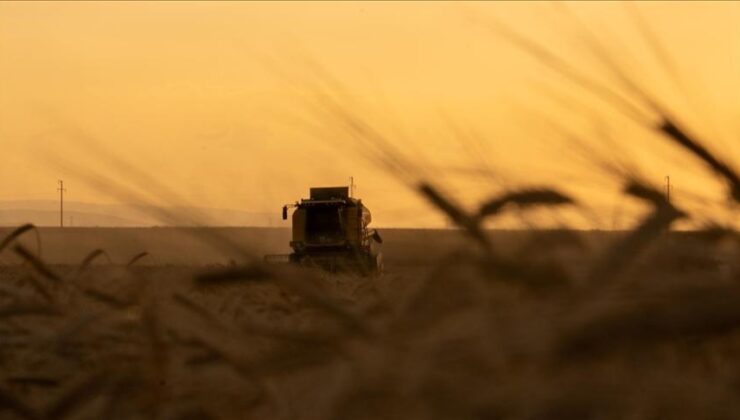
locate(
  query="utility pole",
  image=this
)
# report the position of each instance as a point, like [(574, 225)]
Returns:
[(61, 190), (668, 188), (351, 186)]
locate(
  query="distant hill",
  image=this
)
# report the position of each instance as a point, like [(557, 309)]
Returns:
[(46, 213), (14, 217)]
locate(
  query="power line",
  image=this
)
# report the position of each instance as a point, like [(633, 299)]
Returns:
[(61, 190)]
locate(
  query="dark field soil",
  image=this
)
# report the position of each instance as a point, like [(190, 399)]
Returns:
[(203, 246)]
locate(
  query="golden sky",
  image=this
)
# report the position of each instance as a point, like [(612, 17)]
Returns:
[(216, 100)]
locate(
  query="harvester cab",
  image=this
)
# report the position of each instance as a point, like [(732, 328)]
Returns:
[(330, 230)]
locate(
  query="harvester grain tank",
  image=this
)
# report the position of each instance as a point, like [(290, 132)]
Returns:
[(331, 230)]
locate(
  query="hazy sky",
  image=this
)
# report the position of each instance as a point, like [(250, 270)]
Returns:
[(216, 101)]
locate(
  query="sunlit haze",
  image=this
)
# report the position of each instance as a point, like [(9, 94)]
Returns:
[(217, 101)]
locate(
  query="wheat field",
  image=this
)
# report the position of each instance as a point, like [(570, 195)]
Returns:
[(465, 323), (447, 332)]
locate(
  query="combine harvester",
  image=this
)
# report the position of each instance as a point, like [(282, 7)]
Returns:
[(330, 230)]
